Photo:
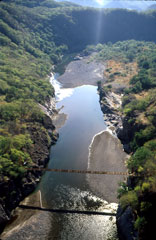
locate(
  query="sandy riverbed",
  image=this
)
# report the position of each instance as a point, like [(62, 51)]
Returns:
[(25, 222), (106, 154), (82, 72)]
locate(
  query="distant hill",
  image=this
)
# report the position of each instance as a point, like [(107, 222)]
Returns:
[(89, 3), (133, 5), (63, 23)]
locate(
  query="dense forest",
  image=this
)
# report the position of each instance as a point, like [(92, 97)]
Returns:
[(34, 35)]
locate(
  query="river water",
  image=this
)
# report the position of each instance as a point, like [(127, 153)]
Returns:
[(71, 191), (67, 191)]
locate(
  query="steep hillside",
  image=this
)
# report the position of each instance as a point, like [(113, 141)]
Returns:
[(131, 70), (26, 133)]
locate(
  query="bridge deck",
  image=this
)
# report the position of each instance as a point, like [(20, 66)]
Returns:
[(79, 171), (65, 211)]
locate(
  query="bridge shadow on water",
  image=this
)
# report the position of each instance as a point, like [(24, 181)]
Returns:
[(65, 211)]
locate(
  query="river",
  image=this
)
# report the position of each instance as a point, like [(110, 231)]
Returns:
[(72, 191), (83, 121)]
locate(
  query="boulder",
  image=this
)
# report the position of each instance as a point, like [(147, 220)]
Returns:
[(125, 224)]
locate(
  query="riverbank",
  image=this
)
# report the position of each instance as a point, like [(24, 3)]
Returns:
[(25, 222), (83, 71), (106, 150), (110, 101), (106, 153), (111, 105), (14, 190)]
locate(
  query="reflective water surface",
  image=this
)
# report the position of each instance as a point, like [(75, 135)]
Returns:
[(64, 190), (71, 191)]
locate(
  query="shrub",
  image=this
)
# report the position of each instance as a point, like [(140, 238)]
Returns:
[(129, 199), (140, 223), (139, 158)]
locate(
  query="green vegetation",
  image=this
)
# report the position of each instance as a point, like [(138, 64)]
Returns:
[(14, 155), (139, 109), (24, 67), (141, 196), (15, 139), (146, 76), (125, 51)]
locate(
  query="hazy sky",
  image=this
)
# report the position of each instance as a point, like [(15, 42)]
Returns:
[(101, 2), (141, 4)]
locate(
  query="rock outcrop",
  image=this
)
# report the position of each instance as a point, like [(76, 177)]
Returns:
[(110, 103), (125, 224)]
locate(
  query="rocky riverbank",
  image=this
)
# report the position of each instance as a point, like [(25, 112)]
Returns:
[(12, 191), (26, 222), (111, 103)]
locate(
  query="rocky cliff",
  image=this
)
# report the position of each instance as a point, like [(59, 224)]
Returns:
[(13, 191)]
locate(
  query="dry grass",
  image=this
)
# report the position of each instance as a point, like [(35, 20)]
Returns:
[(122, 72), (142, 95), (143, 119)]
